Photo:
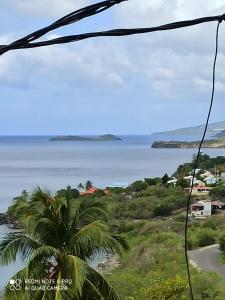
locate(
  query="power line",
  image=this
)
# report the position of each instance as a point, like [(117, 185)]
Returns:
[(197, 160), (28, 41), (73, 17)]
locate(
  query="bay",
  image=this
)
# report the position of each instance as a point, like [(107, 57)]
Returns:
[(26, 162)]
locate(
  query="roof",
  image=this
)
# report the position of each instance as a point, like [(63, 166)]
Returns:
[(219, 203), (91, 191), (197, 204)]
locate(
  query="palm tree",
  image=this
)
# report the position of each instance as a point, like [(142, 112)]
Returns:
[(88, 185), (80, 186), (59, 239)]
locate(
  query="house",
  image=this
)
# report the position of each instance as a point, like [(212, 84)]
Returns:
[(201, 209), (196, 171), (222, 176), (206, 174), (90, 191), (198, 190), (196, 181), (121, 185), (217, 206), (172, 181), (206, 208), (211, 180), (93, 190)]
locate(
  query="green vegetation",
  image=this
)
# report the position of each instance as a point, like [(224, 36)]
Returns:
[(205, 162), (149, 215), (60, 235), (154, 268), (218, 192), (105, 137)]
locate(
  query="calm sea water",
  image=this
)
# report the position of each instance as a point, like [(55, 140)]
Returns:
[(26, 162)]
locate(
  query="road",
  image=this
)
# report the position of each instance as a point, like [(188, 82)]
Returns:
[(207, 259)]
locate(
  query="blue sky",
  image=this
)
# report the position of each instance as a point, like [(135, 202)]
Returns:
[(138, 84)]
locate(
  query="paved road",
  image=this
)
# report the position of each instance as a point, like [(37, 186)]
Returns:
[(207, 259)]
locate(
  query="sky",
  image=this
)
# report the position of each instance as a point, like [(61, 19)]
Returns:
[(130, 85)]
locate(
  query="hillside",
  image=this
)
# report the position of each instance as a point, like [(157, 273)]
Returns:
[(220, 134), (215, 143), (213, 129)]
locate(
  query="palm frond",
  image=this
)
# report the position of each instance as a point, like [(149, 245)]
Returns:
[(16, 244), (75, 269), (46, 231), (95, 238), (98, 288), (42, 255)]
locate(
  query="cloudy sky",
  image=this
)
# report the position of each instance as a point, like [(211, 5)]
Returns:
[(137, 84)]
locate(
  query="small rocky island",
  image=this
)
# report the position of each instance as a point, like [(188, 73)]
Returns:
[(214, 143), (100, 138)]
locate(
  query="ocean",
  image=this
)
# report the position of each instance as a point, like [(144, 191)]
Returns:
[(26, 162)]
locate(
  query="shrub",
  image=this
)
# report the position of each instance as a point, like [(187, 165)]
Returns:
[(172, 288), (222, 244), (163, 209), (139, 186), (218, 191), (205, 237)]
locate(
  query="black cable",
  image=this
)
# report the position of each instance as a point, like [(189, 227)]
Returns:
[(73, 17), (196, 163), (27, 41)]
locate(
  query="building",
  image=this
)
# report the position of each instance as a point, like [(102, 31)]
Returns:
[(198, 190), (118, 185), (201, 209), (217, 206), (222, 176), (211, 180), (93, 190), (172, 181), (206, 208)]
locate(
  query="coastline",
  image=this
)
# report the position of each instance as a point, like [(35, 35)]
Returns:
[(110, 263)]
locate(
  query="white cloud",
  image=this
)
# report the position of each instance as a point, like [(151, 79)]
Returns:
[(49, 8), (167, 63), (145, 12)]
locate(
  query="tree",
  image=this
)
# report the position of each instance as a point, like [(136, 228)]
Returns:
[(165, 179), (139, 186), (218, 191), (88, 185), (60, 237), (68, 193), (153, 181), (80, 187), (182, 183)]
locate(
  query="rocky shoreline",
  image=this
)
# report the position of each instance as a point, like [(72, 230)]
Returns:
[(215, 143), (110, 263), (8, 221)]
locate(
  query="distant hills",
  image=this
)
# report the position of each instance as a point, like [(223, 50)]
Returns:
[(100, 138), (220, 134), (214, 129)]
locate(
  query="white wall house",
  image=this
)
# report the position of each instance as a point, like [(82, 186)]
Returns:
[(201, 209)]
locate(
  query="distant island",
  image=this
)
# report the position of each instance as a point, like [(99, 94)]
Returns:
[(100, 138), (215, 143), (213, 130)]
